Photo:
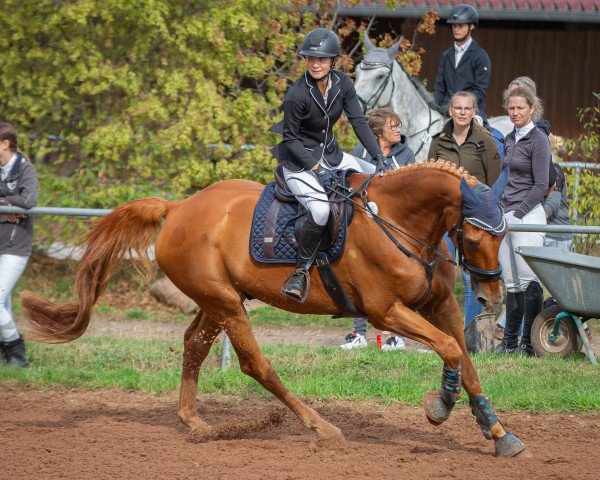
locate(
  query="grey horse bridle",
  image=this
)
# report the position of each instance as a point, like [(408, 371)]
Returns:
[(377, 94)]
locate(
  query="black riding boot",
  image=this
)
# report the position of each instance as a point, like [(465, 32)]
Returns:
[(533, 300), (514, 316), (308, 247), (3, 359), (15, 353)]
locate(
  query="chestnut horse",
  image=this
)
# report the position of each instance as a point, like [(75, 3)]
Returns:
[(203, 247)]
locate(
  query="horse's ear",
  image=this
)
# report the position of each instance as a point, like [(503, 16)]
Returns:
[(393, 50), (500, 184), (469, 198), (367, 41)]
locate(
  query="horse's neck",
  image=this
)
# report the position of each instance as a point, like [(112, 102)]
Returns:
[(414, 112), (428, 202)]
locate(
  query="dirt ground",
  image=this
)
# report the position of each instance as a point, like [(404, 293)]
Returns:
[(79, 434), (92, 434)]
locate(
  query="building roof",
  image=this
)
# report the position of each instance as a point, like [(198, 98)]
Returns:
[(582, 11)]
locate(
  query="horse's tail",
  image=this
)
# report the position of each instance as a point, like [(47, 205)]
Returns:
[(129, 229)]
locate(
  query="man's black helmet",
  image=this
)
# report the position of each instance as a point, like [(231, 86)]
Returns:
[(463, 14), (320, 42)]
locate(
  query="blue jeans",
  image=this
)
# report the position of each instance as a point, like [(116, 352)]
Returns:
[(11, 268), (472, 306)]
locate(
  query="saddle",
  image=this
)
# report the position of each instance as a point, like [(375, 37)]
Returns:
[(340, 210), (276, 223)]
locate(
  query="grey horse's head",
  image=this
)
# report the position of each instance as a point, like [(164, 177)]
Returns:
[(373, 74), (376, 57)]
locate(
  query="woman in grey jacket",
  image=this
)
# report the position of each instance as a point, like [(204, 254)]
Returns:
[(18, 187), (528, 159)]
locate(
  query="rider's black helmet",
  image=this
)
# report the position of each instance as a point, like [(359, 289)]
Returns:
[(463, 14), (320, 42)]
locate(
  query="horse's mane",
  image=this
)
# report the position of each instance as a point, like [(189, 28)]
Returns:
[(443, 165)]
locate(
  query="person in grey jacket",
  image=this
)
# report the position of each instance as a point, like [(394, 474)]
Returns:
[(387, 128), (528, 159), (556, 207), (18, 187)]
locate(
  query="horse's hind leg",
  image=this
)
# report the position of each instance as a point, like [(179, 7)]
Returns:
[(506, 443), (198, 339), (256, 365)]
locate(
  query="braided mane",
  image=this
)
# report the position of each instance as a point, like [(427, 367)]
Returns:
[(443, 165)]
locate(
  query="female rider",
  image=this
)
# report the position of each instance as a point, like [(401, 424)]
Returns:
[(309, 150)]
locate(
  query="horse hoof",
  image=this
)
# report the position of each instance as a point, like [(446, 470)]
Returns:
[(435, 410), (330, 436), (510, 446)]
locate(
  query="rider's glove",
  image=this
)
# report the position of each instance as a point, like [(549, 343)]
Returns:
[(325, 177), (381, 162)]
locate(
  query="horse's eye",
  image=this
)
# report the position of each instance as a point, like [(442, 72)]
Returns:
[(379, 77)]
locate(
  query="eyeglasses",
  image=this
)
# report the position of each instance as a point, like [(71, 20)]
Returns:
[(463, 109), (397, 126)]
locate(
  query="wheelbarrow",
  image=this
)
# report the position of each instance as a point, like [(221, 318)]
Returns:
[(574, 282)]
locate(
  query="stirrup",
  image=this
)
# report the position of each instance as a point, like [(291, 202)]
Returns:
[(293, 296)]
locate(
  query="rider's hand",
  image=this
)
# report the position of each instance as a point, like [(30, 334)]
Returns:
[(325, 177), (381, 162)]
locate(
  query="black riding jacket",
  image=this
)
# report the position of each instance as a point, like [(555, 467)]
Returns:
[(308, 123), (472, 75)]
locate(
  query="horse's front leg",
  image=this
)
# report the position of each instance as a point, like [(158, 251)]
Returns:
[(438, 404), (447, 317)]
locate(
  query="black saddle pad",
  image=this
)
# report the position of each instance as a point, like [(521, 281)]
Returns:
[(272, 236)]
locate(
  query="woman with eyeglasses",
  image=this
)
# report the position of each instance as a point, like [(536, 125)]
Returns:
[(309, 150), (387, 128), (464, 142)]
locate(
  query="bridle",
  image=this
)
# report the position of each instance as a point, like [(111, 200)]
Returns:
[(374, 98), (377, 94), (477, 274)]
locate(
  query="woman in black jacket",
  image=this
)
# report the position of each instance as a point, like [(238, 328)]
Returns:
[(309, 150)]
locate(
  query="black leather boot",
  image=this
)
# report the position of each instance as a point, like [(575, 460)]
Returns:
[(15, 353), (533, 299), (2, 354), (514, 316), (298, 285)]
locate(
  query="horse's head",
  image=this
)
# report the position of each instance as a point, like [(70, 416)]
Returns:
[(373, 74), (478, 236)]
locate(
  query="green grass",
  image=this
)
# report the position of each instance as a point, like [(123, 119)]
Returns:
[(265, 316), (550, 384)]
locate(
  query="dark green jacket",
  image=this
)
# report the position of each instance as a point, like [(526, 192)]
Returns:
[(479, 154)]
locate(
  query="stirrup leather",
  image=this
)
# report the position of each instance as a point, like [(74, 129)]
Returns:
[(285, 287)]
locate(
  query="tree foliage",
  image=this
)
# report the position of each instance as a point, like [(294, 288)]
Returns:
[(120, 99), (584, 185)]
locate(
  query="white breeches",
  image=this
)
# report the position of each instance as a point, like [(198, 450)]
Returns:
[(309, 192), (515, 271)]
